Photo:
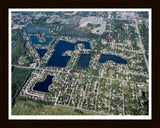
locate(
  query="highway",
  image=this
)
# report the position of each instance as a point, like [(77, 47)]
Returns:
[(36, 68), (141, 45)]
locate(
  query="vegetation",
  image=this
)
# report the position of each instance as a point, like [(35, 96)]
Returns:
[(114, 14), (143, 14), (145, 37), (29, 107), (91, 26), (19, 49), (19, 77)]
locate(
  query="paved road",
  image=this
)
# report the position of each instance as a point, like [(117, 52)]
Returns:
[(77, 73), (66, 72), (82, 109), (141, 45)]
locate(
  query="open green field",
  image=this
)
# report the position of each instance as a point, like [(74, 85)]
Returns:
[(32, 108)]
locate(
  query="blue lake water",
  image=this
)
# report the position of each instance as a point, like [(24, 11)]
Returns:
[(13, 45), (34, 40), (57, 60), (43, 86), (28, 58), (86, 44), (35, 30), (119, 17), (57, 23), (84, 60), (116, 59), (41, 52)]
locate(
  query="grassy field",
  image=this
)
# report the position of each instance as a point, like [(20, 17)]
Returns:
[(32, 108)]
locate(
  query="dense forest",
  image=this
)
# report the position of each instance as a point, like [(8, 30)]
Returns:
[(19, 77), (19, 49)]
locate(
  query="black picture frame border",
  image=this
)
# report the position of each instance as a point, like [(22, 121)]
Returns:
[(6, 4)]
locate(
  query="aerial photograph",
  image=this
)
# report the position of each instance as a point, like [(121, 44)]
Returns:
[(79, 63)]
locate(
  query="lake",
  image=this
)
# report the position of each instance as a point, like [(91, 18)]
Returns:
[(57, 23), (34, 40), (86, 44), (13, 45), (28, 58), (35, 30), (116, 59), (84, 60), (41, 52), (57, 60), (43, 85)]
